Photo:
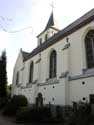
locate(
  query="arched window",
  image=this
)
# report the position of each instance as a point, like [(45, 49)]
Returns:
[(17, 78), (31, 72), (53, 64), (89, 44)]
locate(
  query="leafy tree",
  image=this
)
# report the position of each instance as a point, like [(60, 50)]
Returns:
[(3, 75), (9, 91)]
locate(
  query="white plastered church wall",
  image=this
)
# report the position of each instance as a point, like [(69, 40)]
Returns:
[(43, 74), (72, 60), (78, 90), (77, 63), (18, 68), (77, 50), (29, 92), (58, 92)]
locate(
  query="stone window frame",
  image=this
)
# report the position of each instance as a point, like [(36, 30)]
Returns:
[(53, 64), (17, 78), (31, 72), (89, 47)]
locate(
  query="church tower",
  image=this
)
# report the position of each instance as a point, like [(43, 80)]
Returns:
[(49, 31)]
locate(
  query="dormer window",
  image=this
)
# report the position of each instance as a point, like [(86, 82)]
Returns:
[(40, 41), (46, 37)]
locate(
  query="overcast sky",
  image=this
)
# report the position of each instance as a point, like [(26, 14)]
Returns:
[(33, 15)]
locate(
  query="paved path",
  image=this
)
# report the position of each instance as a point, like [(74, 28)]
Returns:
[(11, 121), (7, 120)]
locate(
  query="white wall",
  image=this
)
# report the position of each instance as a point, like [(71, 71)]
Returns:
[(27, 69), (72, 60), (77, 50), (18, 68), (79, 90), (56, 91)]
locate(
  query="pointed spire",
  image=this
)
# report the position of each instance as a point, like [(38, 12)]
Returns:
[(20, 49), (50, 21), (51, 24)]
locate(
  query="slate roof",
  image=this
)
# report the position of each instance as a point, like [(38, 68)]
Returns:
[(82, 21), (50, 22), (24, 54)]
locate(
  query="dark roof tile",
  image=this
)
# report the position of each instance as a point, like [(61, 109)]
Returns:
[(24, 54)]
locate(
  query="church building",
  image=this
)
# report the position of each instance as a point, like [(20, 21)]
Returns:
[(61, 68)]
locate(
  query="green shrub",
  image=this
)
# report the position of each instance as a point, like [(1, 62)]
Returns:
[(14, 104), (19, 100)]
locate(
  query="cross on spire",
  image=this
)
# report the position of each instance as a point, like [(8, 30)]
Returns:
[(52, 5)]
